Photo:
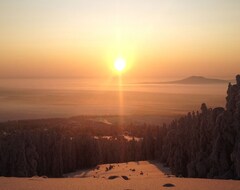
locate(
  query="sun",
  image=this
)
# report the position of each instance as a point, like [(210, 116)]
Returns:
[(120, 64)]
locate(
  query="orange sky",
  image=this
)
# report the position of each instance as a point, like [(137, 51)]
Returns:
[(158, 38)]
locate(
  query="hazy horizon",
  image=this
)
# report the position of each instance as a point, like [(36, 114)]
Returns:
[(127, 79), (44, 98)]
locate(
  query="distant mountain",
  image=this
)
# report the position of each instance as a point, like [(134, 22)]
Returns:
[(194, 80), (198, 80)]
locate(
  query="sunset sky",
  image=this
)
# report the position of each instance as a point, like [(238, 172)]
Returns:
[(157, 38)]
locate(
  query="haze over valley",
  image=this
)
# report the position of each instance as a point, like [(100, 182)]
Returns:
[(44, 98)]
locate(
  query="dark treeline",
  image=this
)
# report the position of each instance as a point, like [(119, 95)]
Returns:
[(52, 147), (203, 144)]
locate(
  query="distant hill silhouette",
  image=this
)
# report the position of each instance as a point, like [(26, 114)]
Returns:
[(194, 80), (198, 80)]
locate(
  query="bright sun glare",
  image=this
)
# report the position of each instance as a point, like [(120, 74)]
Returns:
[(120, 64)]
